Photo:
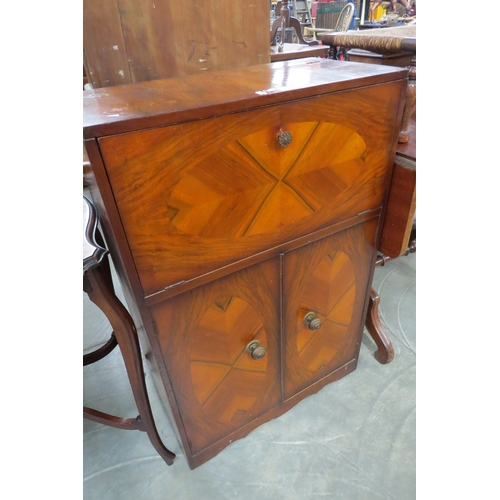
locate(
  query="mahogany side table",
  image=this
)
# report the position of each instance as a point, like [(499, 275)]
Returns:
[(98, 285)]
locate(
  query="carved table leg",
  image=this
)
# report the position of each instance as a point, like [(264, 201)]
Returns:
[(385, 351), (96, 285)]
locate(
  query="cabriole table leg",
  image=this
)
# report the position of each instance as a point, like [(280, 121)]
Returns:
[(97, 287), (385, 352)]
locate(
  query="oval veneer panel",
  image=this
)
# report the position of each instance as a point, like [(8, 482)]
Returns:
[(200, 196), (254, 185)]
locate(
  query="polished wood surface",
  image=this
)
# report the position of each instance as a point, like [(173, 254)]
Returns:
[(401, 206), (219, 387), (398, 233), (228, 219), (298, 51), (401, 203), (262, 193), (328, 278), (129, 41), (385, 351), (401, 59), (158, 103)]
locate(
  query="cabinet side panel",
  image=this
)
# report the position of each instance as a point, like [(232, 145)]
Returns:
[(401, 206)]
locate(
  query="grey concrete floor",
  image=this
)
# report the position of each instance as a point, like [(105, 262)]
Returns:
[(354, 440)]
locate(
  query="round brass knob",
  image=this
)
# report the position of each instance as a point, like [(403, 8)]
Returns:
[(284, 138), (312, 321), (256, 350)]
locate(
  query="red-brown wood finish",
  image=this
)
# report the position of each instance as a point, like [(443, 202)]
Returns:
[(203, 335), (219, 199), (385, 352), (158, 103), (98, 285), (298, 51), (401, 207), (233, 203), (328, 278), (398, 235), (130, 41)]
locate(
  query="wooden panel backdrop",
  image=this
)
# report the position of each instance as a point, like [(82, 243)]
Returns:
[(129, 41)]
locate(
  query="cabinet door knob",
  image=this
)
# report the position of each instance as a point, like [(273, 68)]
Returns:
[(284, 138), (255, 349), (312, 321)]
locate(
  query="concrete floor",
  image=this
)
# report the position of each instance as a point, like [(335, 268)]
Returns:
[(354, 440)]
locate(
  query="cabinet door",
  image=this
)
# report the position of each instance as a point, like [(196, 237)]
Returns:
[(203, 335), (196, 197), (328, 280)]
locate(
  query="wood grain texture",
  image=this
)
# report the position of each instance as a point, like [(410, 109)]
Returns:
[(401, 60), (127, 108), (104, 48), (298, 51), (222, 235), (330, 278), (203, 334), (129, 41), (192, 201), (401, 207)]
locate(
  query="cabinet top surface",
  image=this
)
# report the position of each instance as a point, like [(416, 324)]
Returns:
[(132, 107)]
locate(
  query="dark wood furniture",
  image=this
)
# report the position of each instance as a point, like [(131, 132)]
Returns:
[(285, 20), (392, 47), (401, 204), (398, 232), (129, 41), (98, 285), (243, 212), (298, 51), (401, 40), (401, 59)]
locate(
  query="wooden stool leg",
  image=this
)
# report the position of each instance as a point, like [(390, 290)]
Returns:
[(97, 287), (385, 352)]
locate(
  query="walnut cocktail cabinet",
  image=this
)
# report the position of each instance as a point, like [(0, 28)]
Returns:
[(243, 211)]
